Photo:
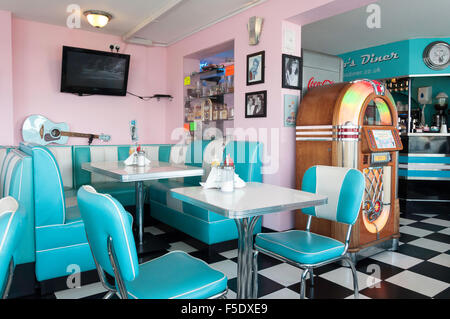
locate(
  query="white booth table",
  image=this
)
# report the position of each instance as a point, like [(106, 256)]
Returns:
[(246, 206), (138, 174)]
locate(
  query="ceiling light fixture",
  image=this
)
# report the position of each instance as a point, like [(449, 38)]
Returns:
[(97, 18)]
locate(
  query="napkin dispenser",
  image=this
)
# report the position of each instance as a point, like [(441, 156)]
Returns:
[(137, 158), (216, 179)]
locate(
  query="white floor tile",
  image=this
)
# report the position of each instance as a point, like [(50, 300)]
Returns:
[(418, 283), (405, 221), (442, 259), (430, 244), (179, 245), (231, 294), (153, 230), (396, 259), (414, 231), (439, 222), (83, 291), (228, 267), (343, 276), (283, 273), (230, 253), (445, 231), (284, 293)]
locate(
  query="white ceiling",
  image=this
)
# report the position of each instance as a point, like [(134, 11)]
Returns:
[(159, 22), (400, 20)]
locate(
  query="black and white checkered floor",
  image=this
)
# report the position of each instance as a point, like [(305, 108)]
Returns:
[(419, 269)]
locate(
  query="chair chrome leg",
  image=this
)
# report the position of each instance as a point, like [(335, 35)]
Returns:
[(255, 275), (9, 279), (311, 275), (355, 278), (108, 295), (303, 283)]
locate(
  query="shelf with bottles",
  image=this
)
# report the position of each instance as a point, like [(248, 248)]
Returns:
[(209, 83), (398, 85), (207, 110)]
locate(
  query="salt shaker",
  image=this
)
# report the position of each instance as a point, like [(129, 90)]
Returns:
[(228, 175)]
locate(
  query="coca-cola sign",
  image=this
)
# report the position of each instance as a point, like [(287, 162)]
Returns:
[(312, 83)]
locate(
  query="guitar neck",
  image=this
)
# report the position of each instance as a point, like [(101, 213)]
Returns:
[(74, 134)]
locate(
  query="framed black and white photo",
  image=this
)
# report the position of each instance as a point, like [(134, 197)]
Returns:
[(256, 104), (291, 72), (255, 68)]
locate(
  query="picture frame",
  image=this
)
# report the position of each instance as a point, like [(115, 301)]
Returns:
[(291, 103), (291, 75), (255, 68), (256, 104)]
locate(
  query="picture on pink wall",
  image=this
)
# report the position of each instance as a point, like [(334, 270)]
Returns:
[(255, 68), (256, 104), (291, 72)]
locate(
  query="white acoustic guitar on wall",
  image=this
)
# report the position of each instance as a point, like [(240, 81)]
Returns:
[(38, 129)]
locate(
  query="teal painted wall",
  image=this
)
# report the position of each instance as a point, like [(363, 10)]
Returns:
[(394, 59), (438, 84), (416, 64)]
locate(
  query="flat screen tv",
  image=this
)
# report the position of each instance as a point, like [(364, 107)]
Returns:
[(94, 72)]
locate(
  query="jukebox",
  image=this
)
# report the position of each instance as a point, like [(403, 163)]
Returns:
[(353, 124)]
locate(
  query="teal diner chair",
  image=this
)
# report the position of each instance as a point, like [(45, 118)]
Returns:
[(175, 275), (10, 223), (344, 188)]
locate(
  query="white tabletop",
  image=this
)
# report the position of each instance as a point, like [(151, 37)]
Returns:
[(133, 173), (253, 200)]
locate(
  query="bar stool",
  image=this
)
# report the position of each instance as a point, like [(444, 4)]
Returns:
[(10, 223), (344, 188), (175, 275)]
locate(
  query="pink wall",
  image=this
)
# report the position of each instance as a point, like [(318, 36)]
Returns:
[(6, 80), (31, 86), (280, 146), (37, 50)]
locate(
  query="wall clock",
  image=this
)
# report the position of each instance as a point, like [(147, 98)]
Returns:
[(437, 55)]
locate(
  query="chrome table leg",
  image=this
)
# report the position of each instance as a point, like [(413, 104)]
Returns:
[(245, 228), (140, 211)]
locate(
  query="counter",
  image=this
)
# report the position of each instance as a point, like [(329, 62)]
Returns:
[(424, 173)]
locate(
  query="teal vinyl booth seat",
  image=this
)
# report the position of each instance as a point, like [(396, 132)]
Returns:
[(59, 233), (175, 275), (199, 223), (16, 180), (11, 222)]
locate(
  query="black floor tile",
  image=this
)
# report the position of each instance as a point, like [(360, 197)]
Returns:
[(197, 244), (426, 226), (225, 246), (432, 270), (443, 238), (417, 252), (388, 290), (443, 294), (323, 289), (264, 261), (208, 256), (172, 237), (406, 238), (367, 266), (265, 285), (327, 268), (443, 216), (414, 217)]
